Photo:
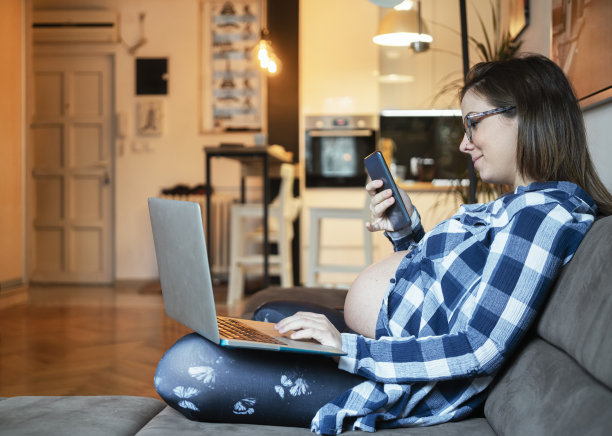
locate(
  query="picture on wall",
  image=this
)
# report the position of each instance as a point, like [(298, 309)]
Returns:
[(232, 84), (582, 46), (150, 114), (518, 17)]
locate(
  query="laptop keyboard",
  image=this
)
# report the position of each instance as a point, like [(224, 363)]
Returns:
[(230, 328)]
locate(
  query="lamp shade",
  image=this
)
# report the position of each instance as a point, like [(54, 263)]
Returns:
[(386, 3), (401, 28)]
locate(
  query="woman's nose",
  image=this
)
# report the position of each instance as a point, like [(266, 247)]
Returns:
[(466, 145)]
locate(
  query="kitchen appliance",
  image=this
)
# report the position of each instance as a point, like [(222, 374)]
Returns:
[(335, 148), (426, 142)]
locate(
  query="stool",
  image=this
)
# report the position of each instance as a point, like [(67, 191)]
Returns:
[(319, 213)]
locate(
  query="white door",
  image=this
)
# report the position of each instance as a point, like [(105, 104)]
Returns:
[(71, 161)]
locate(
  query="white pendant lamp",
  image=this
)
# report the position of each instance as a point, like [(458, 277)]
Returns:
[(402, 27)]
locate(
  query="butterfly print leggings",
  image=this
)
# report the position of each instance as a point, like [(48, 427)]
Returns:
[(206, 382)]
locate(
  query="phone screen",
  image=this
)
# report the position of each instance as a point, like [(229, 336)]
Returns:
[(377, 169)]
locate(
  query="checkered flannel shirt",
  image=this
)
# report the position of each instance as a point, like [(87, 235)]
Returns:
[(460, 301)]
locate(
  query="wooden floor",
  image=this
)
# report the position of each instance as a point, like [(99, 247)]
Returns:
[(87, 340)]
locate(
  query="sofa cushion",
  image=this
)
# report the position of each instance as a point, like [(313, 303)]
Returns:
[(103, 416), (577, 317), (546, 392), (559, 383), (169, 421)]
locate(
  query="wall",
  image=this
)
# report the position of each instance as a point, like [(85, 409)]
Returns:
[(597, 120), (338, 61), (143, 166), (283, 88), (11, 159)]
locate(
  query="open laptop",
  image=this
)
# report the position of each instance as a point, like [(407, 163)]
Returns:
[(186, 284)]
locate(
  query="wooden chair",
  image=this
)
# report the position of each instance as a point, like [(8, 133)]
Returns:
[(282, 212)]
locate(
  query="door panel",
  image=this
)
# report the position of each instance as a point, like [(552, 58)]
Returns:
[(89, 149), (49, 94), (48, 149), (71, 169)]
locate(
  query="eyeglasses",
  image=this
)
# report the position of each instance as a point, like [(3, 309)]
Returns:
[(472, 119)]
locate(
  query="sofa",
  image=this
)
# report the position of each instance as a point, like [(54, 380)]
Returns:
[(559, 382)]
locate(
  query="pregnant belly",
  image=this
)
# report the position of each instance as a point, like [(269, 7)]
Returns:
[(364, 298)]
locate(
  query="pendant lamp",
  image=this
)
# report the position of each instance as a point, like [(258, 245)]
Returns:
[(263, 52), (402, 27)]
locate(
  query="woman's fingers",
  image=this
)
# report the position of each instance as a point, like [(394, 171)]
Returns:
[(307, 325), (372, 186), (379, 205), (300, 320)]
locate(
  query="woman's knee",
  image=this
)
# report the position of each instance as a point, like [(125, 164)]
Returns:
[(185, 376)]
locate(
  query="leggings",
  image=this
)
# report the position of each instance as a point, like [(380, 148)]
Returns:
[(207, 382)]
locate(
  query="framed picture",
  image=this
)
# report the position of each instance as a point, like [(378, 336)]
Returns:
[(518, 17), (232, 85), (150, 117), (582, 47)]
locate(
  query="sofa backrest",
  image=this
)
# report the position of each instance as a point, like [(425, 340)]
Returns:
[(560, 382)]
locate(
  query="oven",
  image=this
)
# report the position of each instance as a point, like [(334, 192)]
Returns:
[(335, 147)]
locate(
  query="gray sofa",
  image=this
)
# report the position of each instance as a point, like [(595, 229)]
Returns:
[(558, 383)]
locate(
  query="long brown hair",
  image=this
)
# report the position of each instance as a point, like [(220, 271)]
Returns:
[(552, 144)]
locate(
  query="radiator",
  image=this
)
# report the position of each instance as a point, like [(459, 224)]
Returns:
[(219, 250)]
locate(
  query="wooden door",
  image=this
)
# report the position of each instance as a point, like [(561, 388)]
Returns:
[(71, 161)]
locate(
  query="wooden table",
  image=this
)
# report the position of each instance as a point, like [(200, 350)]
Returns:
[(254, 160)]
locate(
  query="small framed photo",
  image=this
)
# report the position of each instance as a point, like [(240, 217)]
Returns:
[(150, 117)]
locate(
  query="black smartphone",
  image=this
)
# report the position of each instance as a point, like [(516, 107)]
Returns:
[(378, 170)]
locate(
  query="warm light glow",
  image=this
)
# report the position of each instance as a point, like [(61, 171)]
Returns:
[(396, 78), (401, 39), (273, 64), (265, 56), (404, 6)]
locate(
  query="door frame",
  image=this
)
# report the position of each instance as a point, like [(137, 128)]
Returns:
[(66, 49)]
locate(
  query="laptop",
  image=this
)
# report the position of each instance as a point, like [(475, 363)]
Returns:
[(187, 289)]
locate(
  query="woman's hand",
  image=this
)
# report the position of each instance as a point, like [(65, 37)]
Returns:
[(308, 325), (380, 202)]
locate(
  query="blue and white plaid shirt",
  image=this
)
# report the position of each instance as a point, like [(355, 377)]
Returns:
[(460, 301)]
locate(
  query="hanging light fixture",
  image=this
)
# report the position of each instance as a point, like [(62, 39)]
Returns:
[(403, 27), (263, 52)]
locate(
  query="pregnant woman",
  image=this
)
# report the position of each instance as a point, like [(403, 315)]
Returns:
[(430, 326)]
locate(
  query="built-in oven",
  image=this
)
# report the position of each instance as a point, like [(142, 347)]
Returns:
[(335, 147)]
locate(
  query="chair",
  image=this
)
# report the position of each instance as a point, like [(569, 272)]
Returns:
[(282, 213), (317, 214)]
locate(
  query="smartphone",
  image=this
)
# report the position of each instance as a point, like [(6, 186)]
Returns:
[(378, 170)]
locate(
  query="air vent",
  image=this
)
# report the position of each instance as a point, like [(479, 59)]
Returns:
[(73, 26)]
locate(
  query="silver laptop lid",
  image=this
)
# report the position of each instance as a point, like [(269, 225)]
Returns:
[(182, 262)]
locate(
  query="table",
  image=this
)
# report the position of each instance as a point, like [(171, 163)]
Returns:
[(252, 158)]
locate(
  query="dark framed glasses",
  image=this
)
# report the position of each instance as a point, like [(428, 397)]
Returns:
[(472, 119)]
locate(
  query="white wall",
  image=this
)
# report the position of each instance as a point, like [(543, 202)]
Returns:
[(338, 61), (143, 166), (597, 120)]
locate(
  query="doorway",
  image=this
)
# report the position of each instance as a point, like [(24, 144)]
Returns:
[(71, 161)]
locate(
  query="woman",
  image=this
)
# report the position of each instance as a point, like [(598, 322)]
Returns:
[(433, 323)]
